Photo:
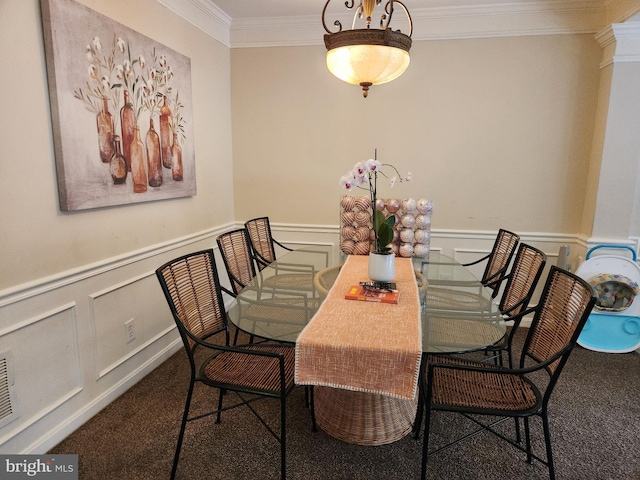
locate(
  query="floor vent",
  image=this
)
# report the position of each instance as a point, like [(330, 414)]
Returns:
[(8, 411)]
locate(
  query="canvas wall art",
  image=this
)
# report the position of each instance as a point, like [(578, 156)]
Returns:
[(121, 111)]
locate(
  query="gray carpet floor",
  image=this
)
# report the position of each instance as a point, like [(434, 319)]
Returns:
[(594, 416)]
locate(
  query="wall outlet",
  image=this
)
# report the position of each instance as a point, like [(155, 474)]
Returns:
[(129, 331)]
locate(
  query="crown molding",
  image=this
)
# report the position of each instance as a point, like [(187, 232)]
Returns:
[(620, 43), (203, 14), (518, 18)]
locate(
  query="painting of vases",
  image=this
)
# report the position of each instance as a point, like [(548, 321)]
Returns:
[(121, 111)]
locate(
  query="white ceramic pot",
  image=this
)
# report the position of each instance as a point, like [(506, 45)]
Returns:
[(382, 267)]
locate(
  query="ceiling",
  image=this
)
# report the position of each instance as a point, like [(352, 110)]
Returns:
[(290, 8)]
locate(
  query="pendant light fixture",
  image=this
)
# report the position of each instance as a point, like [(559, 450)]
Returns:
[(368, 56)]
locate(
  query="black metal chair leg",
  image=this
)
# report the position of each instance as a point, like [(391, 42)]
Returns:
[(528, 440), (314, 427), (283, 437), (220, 395), (425, 445), (547, 441), (183, 426)]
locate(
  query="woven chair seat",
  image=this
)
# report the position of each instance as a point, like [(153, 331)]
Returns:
[(445, 299), (289, 281), (251, 371), (324, 279), (488, 392), (281, 309), (451, 331)]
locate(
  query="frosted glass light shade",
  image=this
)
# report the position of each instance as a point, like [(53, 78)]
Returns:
[(367, 64)]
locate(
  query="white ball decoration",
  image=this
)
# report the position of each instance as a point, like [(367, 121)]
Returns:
[(380, 204), (422, 205), (422, 236), (423, 221), (409, 205), (406, 250), (406, 235), (420, 250), (408, 220)]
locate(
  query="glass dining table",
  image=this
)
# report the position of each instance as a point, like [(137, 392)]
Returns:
[(457, 315)]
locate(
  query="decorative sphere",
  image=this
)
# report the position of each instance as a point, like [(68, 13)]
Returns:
[(393, 205), (422, 205), (348, 202), (362, 234), (363, 203), (347, 218), (423, 221), (408, 220), (422, 236), (348, 232), (406, 250), (363, 218), (361, 248), (379, 204), (406, 235), (420, 250), (409, 205), (347, 246)]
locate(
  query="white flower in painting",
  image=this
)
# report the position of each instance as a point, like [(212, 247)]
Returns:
[(97, 46), (89, 53), (119, 72), (141, 61), (169, 73), (93, 71), (152, 74), (163, 60), (105, 83), (127, 67), (121, 45)]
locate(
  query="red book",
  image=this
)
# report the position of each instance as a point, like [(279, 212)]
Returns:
[(358, 292)]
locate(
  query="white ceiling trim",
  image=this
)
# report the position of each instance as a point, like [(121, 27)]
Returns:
[(500, 20), (204, 15)]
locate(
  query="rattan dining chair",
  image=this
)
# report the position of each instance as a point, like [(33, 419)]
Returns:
[(282, 305), (238, 260), (521, 283), (266, 370), (497, 260), (454, 384), (262, 241)]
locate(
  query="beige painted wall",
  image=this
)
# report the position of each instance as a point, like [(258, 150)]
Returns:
[(38, 239), (497, 132)]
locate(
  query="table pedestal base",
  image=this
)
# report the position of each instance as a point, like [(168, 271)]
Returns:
[(363, 418)]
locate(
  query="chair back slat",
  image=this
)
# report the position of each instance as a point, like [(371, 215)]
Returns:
[(564, 307), (500, 257), (192, 289), (236, 254), (261, 240), (523, 278)]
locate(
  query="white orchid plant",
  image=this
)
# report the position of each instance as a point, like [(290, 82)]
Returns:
[(364, 175)]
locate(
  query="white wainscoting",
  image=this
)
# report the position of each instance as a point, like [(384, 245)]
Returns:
[(65, 334)]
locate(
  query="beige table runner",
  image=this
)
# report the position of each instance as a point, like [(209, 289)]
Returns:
[(364, 346)]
